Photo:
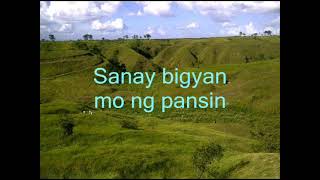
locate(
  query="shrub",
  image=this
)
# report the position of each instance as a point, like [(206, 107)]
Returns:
[(61, 111), (218, 172), (261, 56), (139, 66), (114, 64), (268, 132), (129, 124), (135, 44), (144, 168), (205, 155), (81, 45), (67, 124), (95, 50)]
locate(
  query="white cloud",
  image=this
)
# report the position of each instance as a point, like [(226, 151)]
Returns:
[(157, 8), (80, 16), (229, 28), (228, 24), (192, 25), (276, 21), (62, 11), (73, 11), (222, 11), (273, 26), (259, 6), (155, 31), (250, 29), (217, 10), (150, 30), (59, 16), (161, 32), (43, 7), (115, 25), (139, 13), (232, 29), (185, 4), (110, 7), (44, 18), (44, 29), (131, 14), (56, 28), (65, 28), (268, 28)]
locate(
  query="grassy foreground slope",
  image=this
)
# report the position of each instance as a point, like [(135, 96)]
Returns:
[(163, 144)]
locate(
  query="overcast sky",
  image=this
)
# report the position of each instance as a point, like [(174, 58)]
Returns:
[(163, 19)]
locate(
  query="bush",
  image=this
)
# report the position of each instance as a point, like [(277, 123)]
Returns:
[(81, 45), (205, 155), (135, 44), (261, 56), (129, 124), (114, 64), (268, 132), (143, 168), (218, 172), (67, 125)]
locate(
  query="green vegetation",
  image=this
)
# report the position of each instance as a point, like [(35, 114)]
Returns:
[(127, 143), (205, 155), (129, 124), (66, 124)]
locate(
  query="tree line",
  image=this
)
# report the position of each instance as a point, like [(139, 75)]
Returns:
[(90, 37), (148, 36), (266, 33)]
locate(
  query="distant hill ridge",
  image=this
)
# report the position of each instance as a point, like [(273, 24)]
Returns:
[(149, 55)]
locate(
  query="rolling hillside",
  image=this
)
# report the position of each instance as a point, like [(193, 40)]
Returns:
[(233, 50), (163, 144)]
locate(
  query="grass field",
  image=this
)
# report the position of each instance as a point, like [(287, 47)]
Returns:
[(163, 144)]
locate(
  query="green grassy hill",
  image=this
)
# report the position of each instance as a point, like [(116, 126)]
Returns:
[(233, 50), (163, 144)]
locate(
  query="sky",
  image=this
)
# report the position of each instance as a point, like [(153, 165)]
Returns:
[(70, 20)]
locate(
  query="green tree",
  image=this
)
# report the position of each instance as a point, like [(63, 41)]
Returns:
[(268, 32), (148, 36), (114, 65), (129, 124), (135, 44), (125, 37), (87, 37), (51, 37), (67, 124), (90, 37), (246, 58)]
